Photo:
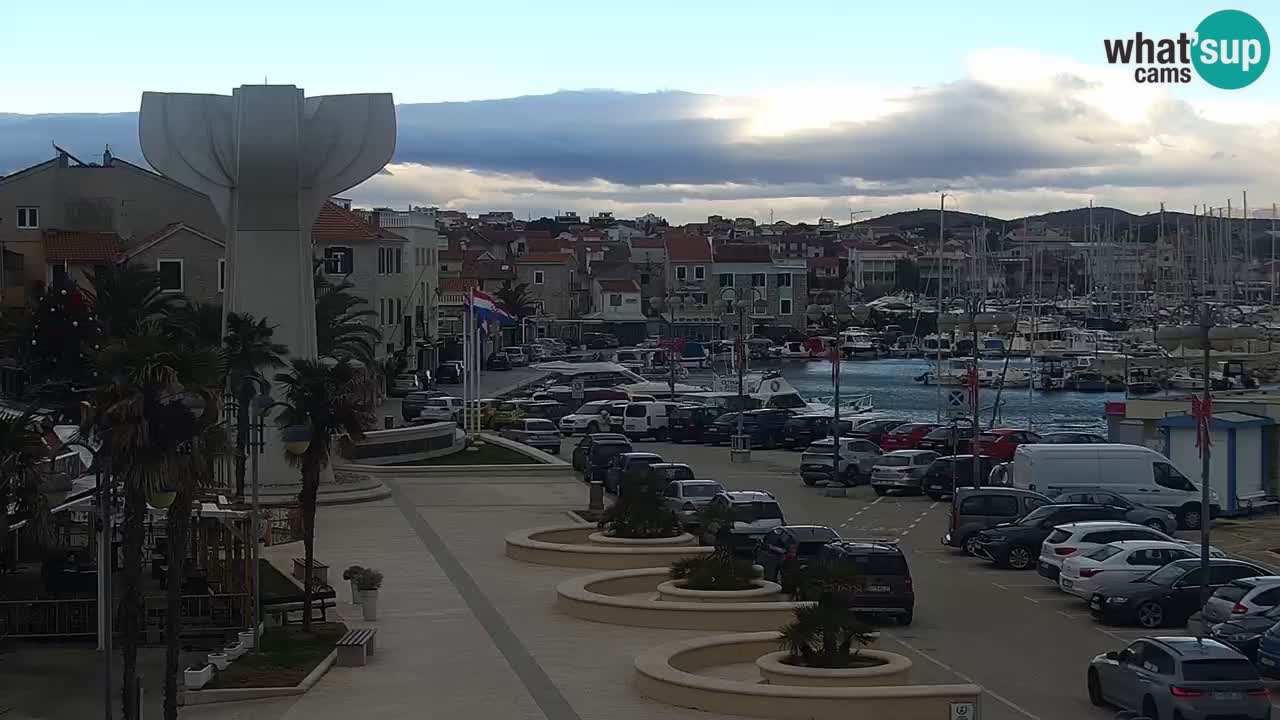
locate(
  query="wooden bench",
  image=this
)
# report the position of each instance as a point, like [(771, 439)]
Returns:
[(323, 598), (355, 647), (319, 571)]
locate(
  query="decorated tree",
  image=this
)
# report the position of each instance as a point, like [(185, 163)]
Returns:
[(64, 335)]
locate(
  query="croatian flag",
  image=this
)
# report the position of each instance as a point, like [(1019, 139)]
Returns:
[(487, 310)]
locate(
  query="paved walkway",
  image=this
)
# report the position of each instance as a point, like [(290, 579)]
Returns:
[(465, 632)]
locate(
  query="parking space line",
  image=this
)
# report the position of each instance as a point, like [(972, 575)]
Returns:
[(1122, 638), (986, 689), (940, 561), (1004, 587), (936, 504), (1074, 616), (1028, 597), (1018, 585)]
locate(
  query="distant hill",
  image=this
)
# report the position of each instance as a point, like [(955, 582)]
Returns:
[(916, 218)]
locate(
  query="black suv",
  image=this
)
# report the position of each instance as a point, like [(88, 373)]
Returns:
[(719, 431), (600, 458), (582, 450), (688, 422), (800, 431), (884, 579), (784, 551), (946, 473), (628, 467), (1017, 544)]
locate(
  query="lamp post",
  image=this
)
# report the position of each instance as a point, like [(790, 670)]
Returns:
[(1205, 336), (297, 440), (740, 448), (106, 557), (669, 304)]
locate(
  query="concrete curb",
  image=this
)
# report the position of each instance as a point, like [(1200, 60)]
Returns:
[(221, 695), (567, 546), (612, 598)]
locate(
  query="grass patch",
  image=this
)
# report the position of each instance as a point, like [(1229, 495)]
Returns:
[(486, 454), (287, 656), (275, 583)]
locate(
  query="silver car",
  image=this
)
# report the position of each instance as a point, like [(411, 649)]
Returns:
[(687, 497), (1179, 677), (1242, 598), (534, 432), (857, 457), (405, 383)]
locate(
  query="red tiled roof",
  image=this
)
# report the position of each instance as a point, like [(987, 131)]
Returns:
[(744, 253), (489, 269), (683, 247), (505, 236), (544, 258), (619, 285), (547, 244), (824, 262), (77, 246), (450, 256), (337, 224)]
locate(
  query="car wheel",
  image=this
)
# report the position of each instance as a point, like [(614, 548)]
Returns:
[(1149, 709), (1020, 557), (879, 490), (907, 617), (1150, 615), (1095, 689), (810, 481), (970, 545), (1189, 517), (1157, 526)]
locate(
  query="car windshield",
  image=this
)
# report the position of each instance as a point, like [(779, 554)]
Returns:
[(701, 490), (436, 402), (1035, 516), (604, 451), (1218, 670), (879, 564), (635, 410), (681, 414), (540, 426), (1104, 552), (506, 407), (822, 446), (894, 461), (752, 511)]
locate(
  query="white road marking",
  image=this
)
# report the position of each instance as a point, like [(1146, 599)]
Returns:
[(1071, 615), (1003, 587), (986, 689), (882, 497), (1023, 585), (1027, 597), (936, 504), (847, 524), (1137, 634), (940, 561)]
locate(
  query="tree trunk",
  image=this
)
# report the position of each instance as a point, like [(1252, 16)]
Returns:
[(310, 489), (242, 434), (179, 521), (135, 513)]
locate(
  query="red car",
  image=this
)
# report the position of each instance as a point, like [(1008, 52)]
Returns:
[(906, 436), (1001, 443)]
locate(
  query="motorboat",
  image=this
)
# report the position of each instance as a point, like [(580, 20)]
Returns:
[(858, 345), (1087, 381), (795, 350), (934, 345), (906, 346)]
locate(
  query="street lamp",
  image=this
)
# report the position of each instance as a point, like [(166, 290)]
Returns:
[(669, 304), (740, 449), (297, 440), (843, 313), (1205, 336), (106, 557)]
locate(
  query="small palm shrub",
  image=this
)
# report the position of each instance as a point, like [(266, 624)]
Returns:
[(717, 571), (639, 512), (823, 633)]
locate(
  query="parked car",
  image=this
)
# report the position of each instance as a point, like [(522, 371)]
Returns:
[(1179, 677), (628, 467), (586, 419), (536, 433), (1072, 438), (686, 497), (663, 473), (412, 404), (857, 457), (646, 419), (497, 361), (1002, 442), (784, 551), (754, 512), (1242, 598), (582, 450), (449, 373), (1169, 595), (600, 458), (948, 440), (1269, 652), (1017, 545), (800, 431), (486, 407), (906, 436), (719, 432), (508, 412), (545, 409), (884, 578), (1070, 539), (1117, 563), (946, 473), (976, 510), (1156, 518), (901, 470), (441, 409), (688, 422), (614, 415), (765, 426), (403, 384), (515, 356), (1246, 632), (876, 430)]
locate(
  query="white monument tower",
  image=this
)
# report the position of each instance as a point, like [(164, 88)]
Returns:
[(268, 158)]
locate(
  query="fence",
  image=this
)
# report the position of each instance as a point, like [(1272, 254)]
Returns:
[(79, 617)]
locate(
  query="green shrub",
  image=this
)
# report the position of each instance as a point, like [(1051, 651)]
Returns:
[(823, 633), (368, 579), (639, 512), (717, 571)]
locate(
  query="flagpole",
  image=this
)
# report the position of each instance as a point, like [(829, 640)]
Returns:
[(466, 361)]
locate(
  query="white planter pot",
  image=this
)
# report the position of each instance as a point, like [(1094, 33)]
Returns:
[(247, 640), (369, 604), (196, 679), (355, 593), (234, 652), (219, 660)]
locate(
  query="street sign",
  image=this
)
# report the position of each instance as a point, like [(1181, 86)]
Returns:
[(957, 403), (579, 389), (963, 711)]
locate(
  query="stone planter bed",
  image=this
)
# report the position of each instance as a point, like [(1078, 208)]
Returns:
[(572, 546), (760, 591), (631, 597), (673, 674)]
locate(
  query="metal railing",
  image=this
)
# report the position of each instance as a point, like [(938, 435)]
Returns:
[(78, 617)]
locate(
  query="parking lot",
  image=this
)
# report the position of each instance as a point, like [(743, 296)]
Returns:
[(1027, 643)]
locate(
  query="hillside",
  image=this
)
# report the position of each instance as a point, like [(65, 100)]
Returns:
[(923, 216)]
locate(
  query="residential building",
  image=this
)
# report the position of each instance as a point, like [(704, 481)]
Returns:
[(188, 260), (617, 310), (649, 263), (549, 277), (777, 290), (496, 218), (425, 245), (689, 282), (873, 268), (77, 254)]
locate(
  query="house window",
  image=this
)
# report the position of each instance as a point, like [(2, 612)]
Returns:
[(644, 278), (699, 272), (222, 275), (399, 260), (170, 275), (784, 280), (444, 268), (682, 272), (726, 279), (784, 305), (339, 260), (539, 277), (615, 300), (28, 218), (700, 298), (758, 280)]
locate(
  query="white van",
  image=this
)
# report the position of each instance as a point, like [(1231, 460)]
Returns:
[(646, 418), (1141, 475)]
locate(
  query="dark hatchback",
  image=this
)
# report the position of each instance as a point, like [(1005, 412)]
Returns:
[(413, 403), (688, 423), (601, 457), (1245, 634), (948, 440), (1017, 544), (1169, 595), (583, 447), (784, 551), (719, 432), (946, 473), (765, 426), (628, 468), (884, 578), (799, 431)]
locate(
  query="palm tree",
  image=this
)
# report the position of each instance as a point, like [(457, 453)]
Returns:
[(21, 498), (202, 320), (823, 633), (147, 381), (249, 349), (124, 297), (345, 325), (517, 300), (329, 398)]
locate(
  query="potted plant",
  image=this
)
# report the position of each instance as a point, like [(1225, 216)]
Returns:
[(721, 570), (368, 581), (233, 652), (823, 633), (195, 678), (247, 639), (350, 575), (219, 660)]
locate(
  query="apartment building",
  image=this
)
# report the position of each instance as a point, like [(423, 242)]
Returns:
[(873, 268), (549, 276), (776, 290), (425, 244)]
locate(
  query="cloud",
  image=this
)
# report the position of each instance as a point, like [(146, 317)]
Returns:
[(1019, 132)]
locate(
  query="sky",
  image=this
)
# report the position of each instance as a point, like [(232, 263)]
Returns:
[(802, 108)]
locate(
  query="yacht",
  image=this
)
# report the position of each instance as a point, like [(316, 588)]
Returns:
[(858, 345), (795, 350), (933, 345), (563, 375)]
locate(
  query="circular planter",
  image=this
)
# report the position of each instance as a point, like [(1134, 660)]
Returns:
[(891, 669), (599, 538), (761, 591), (570, 546), (671, 674)]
